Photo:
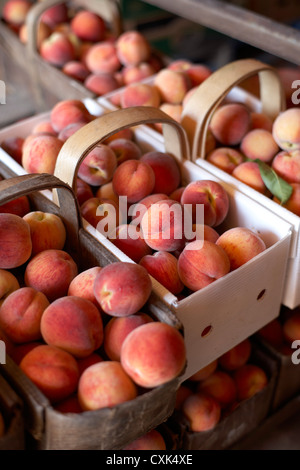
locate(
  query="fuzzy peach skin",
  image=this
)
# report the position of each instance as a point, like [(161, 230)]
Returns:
[(44, 127), (83, 284), (51, 272), (21, 313), (134, 179), (102, 57), (162, 265), (55, 15), (139, 94), (137, 211), (286, 129), (205, 372), (293, 203), (172, 85), (230, 123), (47, 231), (225, 158), (20, 350), (125, 149), (221, 386), (52, 370), (16, 245), (202, 263), (73, 324), (241, 245), (70, 129), (291, 328), (153, 354), (261, 121), (205, 232), (163, 226), (287, 165), (152, 440), (117, 329), (40, 154), (19, 206), (259, 143), (85, 362), (122, 288), (182, 393), (57, 49), (14, 12), (121, 134), (212, 196), (202, 411), (136, 73), (129, 239), (248, 173), (132, 48), (76, 69), (98, 166), (198, 73), (101, 213), (236, 357), (67, 112), (272, 333), (173, 110), (250, 379), (88, 26), (69, 405), (106, 191), (166, 171), (105, 385), (83, 191), (8, 284), (101, 83)]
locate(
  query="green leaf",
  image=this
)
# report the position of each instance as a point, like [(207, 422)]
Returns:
[(275, 184)]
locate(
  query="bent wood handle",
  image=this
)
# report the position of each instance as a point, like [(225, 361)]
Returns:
[(199, 109), (107, 9), (85, 139)]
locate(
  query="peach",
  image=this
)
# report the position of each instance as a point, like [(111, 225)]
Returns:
[(286, 129), (101, 83), (57, 49), (44, 127), (202, 263), (73, 324), (122, 288), (101, 213), (40, 154), (198, 73), (293, 203), (249, 173), (162, 265), (140, 94), (15, 11), (153, 354), (120, 134), (14, 147), (230, 123), (106, 191), (125, 149), (98, 166), (132, 48), (259, 143), (221, 386), (203, 412), (261, 121), (134, 179), (166, 171), (152, 440), (129, 239), (250, 379), (163, 226), (182, 393), (241, 245), (47, 231), (20, 350), (69, 405), (173, 110), (52, 370), (225, 158), (67, 112), (83, 191), (102, 57), (21, 313), (204, 232), (205, 372), (88, 26), (83, 284), (177, 193), (291, 328), (51, 272), (105, 385), (136, 73), (212, 196), (85, 362), (69, 130), (19, 206), (172, 85), (272, 333), (16, 246), (76, 69), (236, 357), (43, 32), (117, 329), (180, 65), (137, 210), (55, 15), (287, 165), (8, 284), (210, 143)]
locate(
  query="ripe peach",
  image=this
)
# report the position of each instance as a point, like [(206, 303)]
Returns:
[(241, 245), (272, 333), (85, 362), (291, 328), (19, 206), (101, 83), (134, 179), (249, 173), (172, 85), (102, 57), (51, 272), (16, 246), (15, 11), (153, 354), (261, 121), (132, 48), (8, 284), (101, 213), (136, 73), (162, 265), (98, 166), (140, 94), (202, 411), (166, 171), (14, 147), (125, 149), (221, 386), (67, 112), (286, 129), (177, 193), (121, 134), (236, 357), (152, 440), (47, 231), (198, 73), (205, 372), (83, 284), (173, 110), (182, 393), (201, 263), (69, 405), (57, 49), (212, 196), (76, 69), (116, 331), (129, 239), (137, 210), (259, 143), (83, 191), (20, 350), (249, 379), (55, 15), (73, 324), (225, 158), (122, 288), (204, 232), (40, 154), (88, 26), (52, 370), (293, 203), (230, 123), (105, 384), (70, 129), (106, 191), (287, 165), (44, 127)]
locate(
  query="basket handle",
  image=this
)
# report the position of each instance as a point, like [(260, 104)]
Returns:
[(199, 109), (109, 10), (85, 139)]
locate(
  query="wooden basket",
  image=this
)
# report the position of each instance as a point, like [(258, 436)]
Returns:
[(109, 428), (195, 119), (12, 409)]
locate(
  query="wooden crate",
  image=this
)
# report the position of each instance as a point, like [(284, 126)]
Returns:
[(11, 408)]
